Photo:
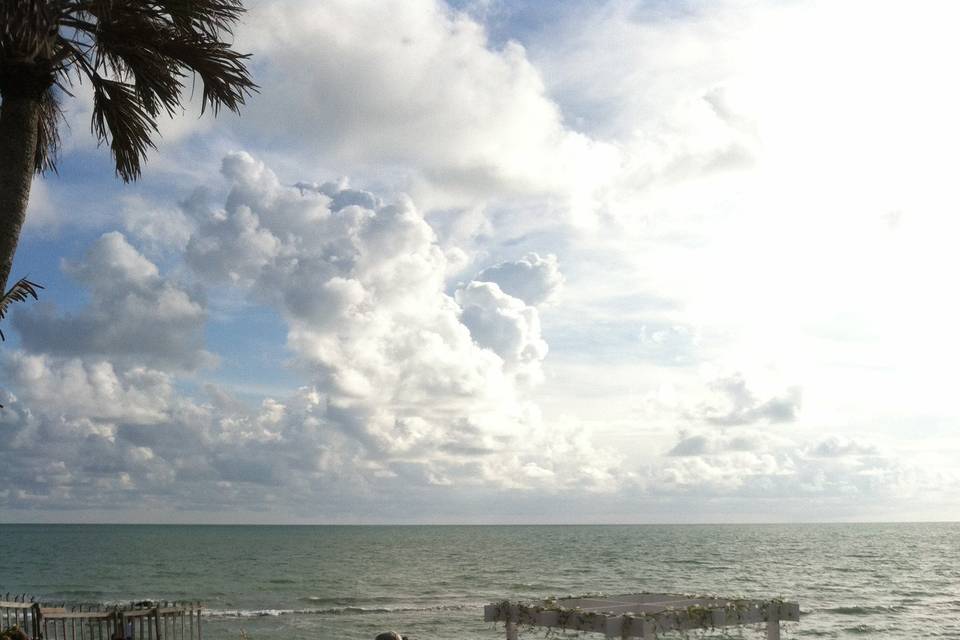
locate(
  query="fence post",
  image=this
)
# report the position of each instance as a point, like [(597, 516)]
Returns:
[(37, 622)]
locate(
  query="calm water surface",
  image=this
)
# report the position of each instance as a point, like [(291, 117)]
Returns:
[(860, 580)]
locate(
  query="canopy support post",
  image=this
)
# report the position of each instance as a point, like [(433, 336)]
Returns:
[(773, 626)]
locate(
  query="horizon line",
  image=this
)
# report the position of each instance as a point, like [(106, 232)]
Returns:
[(477, 524)]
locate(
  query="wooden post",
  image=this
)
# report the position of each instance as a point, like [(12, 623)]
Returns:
[(512, 633), (773, 622), (37, 617), (156, 621)]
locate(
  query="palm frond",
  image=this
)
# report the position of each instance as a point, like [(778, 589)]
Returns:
[(210, 17), (48, 134), (223, 72), (133, 52), (136, 53), (120, 117), (19, 292), (25, 26)]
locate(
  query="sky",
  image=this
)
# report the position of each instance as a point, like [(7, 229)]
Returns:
[(510, 262)]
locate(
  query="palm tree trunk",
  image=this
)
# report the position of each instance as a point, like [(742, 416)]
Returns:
[(19, 117)]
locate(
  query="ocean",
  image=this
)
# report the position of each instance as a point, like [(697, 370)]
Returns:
[(431, 582)]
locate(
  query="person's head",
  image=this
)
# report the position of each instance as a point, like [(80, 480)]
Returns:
[(15, 633), (390, 635)]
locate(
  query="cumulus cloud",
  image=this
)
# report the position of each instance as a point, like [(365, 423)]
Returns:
[(416, 391), (733, 403), (100, 448), (184, 451), (87, 433), (504, 324), (409, 387), (419, 375), (135, 315), (361, 284), (708, 443), (418, 85), (86, 390), (533, 279), (747, 462), (836, 446), (158, 229), (340, 194)]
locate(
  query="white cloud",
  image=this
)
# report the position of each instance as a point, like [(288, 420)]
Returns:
[(729, 218), (158, 229), (410, 388), (134, 314), (533, 279), (74, 391), (746, 462), (733, 403), (41, 211), (417, 86), (408, 369), (505, 325), (412, 393)]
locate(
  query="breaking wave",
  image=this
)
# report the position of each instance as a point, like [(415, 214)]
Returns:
[(329, 611)]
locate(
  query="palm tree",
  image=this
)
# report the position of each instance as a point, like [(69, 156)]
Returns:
[(17, 293), (136, 55)]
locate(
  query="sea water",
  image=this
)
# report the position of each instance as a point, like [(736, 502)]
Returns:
[(431, 582)]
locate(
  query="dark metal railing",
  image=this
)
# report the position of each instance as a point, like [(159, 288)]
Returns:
[(137, 621)]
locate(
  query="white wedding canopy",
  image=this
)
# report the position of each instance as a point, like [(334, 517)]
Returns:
[(642, 615)]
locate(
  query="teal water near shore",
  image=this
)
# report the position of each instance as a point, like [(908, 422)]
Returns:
[(431, 582)]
